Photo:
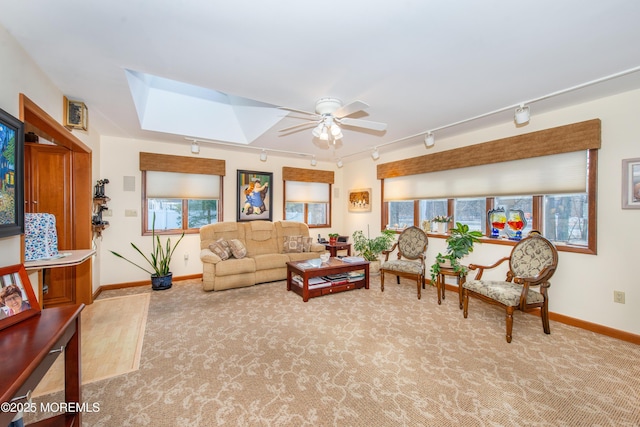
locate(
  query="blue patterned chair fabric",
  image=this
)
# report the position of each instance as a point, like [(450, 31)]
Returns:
[(532, 263), (412, 245)]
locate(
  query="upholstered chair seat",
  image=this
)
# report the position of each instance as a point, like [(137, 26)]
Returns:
[(411, 245)]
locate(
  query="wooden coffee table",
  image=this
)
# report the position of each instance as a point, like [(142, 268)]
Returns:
[(333, 266)]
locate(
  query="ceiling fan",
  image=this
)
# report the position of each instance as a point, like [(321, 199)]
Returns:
[(330, 115)]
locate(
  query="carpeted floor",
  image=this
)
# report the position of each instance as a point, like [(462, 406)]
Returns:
[(259, 356)]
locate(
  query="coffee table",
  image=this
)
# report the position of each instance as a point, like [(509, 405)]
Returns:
[(333, 266)]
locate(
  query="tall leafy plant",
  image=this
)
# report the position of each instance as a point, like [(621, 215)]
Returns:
[(160, 257), (370, 249), (459, 244)]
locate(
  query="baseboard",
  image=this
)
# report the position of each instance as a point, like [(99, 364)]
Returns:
[(141, 283), (578, 323)]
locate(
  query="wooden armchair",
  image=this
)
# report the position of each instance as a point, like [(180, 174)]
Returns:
[(412, 245), (531, 264)]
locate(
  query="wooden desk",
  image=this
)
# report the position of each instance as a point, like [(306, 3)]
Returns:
[(333, 249), (27, 351), (440, 284)]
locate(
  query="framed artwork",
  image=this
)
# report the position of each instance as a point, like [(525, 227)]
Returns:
[(255, 196), (76, 114), (360, 200), (631, 183), (11, 175), (17, 299)]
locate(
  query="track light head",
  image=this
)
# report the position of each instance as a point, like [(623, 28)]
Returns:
[(429, 140), (314, 161), (375, 155), (339, 163), (195, 148), (263, 156), (522, 115)]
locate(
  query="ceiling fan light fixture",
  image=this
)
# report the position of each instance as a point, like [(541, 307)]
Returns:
[(263, 156), (429, 140), (335, 130), (522, 115), (317, 131), (375, 155)]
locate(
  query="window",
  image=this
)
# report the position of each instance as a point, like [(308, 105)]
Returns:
[(307, 196), (181, 194), (400, 214), (471, 211), (522, 203), (566, 219)]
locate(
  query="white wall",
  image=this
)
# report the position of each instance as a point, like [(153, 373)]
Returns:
[(583, 285), (120, 158)]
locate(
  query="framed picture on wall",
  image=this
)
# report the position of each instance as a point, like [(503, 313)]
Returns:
[(76, 114), (360, 200), (17, 299), (255, 196), (11, 175), (631, 183)]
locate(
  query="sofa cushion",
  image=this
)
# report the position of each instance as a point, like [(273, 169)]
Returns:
[(237, 248), (293, 244), (221, 248), (270, 261), (234, 266), (306, 243)]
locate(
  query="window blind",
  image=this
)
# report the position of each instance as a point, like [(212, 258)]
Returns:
[(171, 185), (306, 192), (553, 174)]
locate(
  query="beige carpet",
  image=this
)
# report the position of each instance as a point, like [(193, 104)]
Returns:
[(259, 356), (112, 335)]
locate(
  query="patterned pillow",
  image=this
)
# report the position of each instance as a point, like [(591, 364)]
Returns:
[(221, 248), (237, 248), (306, 244), (292, 244)]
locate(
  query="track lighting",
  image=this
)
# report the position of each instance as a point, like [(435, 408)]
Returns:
[(522, 115), (263, 156), (339, 163), (314, 161), (429, 140), (375, 155), (195, 148)]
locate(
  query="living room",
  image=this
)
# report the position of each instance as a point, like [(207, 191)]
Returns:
[(582, 289)]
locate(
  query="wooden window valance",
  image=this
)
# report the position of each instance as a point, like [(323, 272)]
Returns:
[(307, 175), (181, 164), (563, 139)]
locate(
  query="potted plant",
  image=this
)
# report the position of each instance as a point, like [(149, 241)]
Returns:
[(333, 238), (370, 249), (159, 260), (459, 244)]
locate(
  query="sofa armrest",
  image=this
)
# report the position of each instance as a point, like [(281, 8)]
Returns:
[(317, 247), (206, 255)]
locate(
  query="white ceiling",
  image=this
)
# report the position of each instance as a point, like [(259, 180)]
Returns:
[(419, 64)]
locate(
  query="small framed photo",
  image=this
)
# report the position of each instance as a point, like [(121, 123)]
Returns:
[(631, 183), (76, 114), (17, 299), (255, 196), (360, 200)]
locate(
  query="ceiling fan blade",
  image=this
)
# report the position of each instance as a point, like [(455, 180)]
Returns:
[(367, 124), (298, 111), (353, 107), (300, 125)]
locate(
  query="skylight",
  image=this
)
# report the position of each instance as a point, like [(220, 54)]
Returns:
[(169, 106)]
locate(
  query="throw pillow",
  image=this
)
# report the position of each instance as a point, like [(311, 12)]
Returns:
[(306, 244), (237, 248), (221, 248), (292, 244)]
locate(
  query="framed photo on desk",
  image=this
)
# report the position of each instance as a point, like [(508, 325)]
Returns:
[(17, 299)]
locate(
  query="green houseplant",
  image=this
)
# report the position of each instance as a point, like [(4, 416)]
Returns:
[(159, 260), (333, 238), (370, 249), (459, 244)]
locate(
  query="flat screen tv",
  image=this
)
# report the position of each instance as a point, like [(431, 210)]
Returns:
[(11, 175)]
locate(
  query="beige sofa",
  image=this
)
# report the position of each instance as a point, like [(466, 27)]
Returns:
[(269, 246)]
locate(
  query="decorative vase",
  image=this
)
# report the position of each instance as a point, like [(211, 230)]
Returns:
[(443, 227), (374, 268), (160, 283), (497, 219), (333, 240), (516, 223)]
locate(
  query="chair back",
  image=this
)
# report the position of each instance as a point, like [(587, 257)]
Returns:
[(532, 255), (412, 243)]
